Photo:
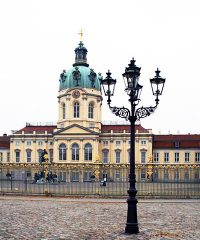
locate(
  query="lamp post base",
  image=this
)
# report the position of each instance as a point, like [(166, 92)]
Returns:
[(132, 222), (132, 228)]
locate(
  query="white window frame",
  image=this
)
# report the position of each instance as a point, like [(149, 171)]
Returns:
[(75, 176), (143, 142), (17, 158), (197, 156), (75, 152), (28, 143), (187, 157), (143, 156), (105, 155), (88, 152), (117, 156), (62, 152), (76, 110), (176, 157), (28, 155), (91, 110), (156, 156), (63, 111), (166, 157)]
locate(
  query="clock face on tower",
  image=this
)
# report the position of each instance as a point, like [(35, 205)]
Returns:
[(76, 94)]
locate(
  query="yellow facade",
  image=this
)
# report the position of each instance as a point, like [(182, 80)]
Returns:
[(80, 145)]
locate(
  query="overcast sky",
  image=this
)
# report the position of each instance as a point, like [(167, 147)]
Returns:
[(38, 38)]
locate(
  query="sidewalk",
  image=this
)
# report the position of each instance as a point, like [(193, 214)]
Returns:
[(95, 218)]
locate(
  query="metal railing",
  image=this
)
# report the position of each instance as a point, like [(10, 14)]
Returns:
[(145, 189)]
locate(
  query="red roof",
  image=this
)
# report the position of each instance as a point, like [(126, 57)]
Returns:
[(4, 142), (121, 128), (30, 129), (176, 141)]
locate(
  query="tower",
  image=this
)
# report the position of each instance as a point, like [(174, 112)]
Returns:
[(76, 138), (79, 94)]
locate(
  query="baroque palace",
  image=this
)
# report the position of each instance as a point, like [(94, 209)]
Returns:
[(81, 148)]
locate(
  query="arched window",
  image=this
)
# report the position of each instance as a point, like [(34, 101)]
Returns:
[(88, 152), (75, 152), (62, 152), (91, 110), (63, 111), (76, 110)]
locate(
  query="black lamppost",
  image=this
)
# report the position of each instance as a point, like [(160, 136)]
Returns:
[(133, 89)]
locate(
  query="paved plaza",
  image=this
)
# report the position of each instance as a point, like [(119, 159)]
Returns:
[(53, 218)]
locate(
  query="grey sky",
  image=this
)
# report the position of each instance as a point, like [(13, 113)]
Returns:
[(38, 39)]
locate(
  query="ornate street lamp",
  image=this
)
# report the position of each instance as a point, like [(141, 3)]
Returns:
[(133, 89)]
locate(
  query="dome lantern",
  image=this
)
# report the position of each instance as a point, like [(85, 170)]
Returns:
[(80, 75), (80, 55)]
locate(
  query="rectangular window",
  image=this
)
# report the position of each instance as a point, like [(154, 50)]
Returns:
[(8, 157), (155, 175), (143, 156), (62, 176), (166, 175), (91, 110), (40, 143), (76, 110), (176, 175), (17, 143), (177, 144), (166, 157), (186, 176), (143, 142), (62, 153), (17, 156), (143, 174), (187, 156), (197, 156), (118, 143), (1, 157), (28, 156), (105, 156), (87, 176), (176, 157), (40, 152), (105, 143), (117, 156), (88, 152), (28, 143), (156, 157), (75, 154), (75, 176), (117, 176), (51, 155), (50, 143), (196, 176)]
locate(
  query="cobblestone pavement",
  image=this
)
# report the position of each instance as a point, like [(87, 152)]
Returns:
[(51, 218)]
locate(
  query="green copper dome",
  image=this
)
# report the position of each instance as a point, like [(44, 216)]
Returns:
[(80, 75)]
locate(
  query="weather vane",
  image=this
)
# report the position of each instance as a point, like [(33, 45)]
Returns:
[(81, 34)]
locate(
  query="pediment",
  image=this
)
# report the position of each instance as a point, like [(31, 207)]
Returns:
[(75, 129)]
